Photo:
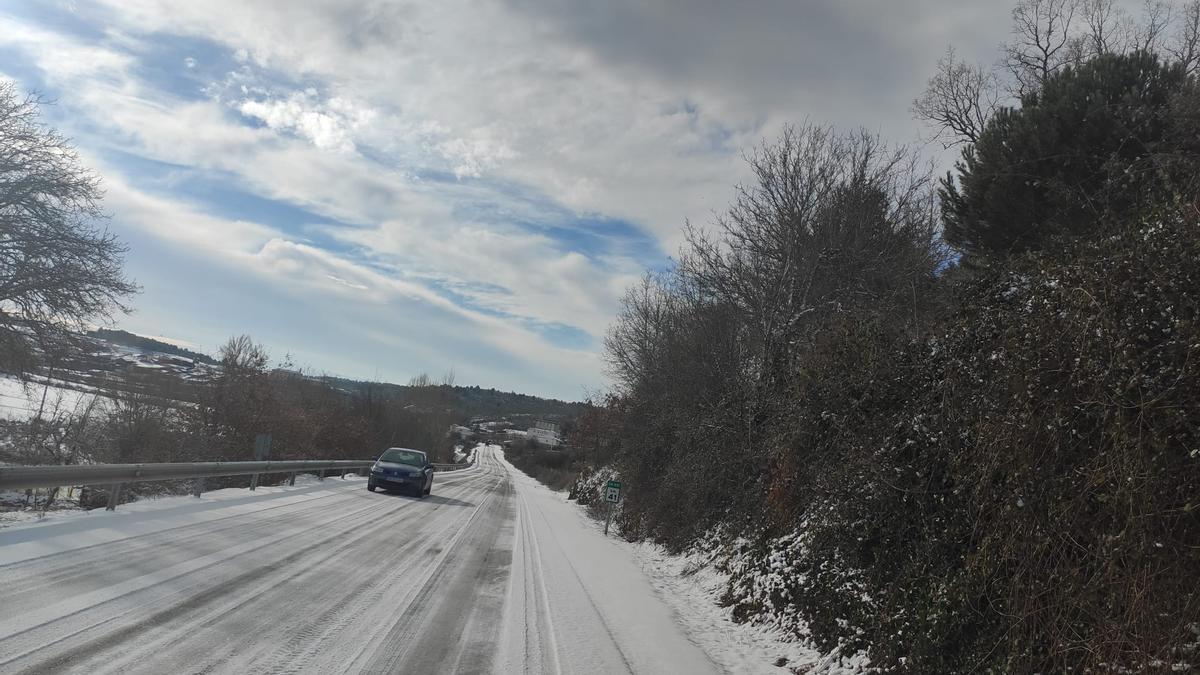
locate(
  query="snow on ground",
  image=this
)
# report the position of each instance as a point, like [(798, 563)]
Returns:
[(578, 602), (691, 588), (152, 508), (320, 578), (9, 518), (572, 600), (19, 401)]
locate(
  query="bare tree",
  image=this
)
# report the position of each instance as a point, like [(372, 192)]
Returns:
[(58, 268), (832, 221), (1047, 36), (1107, 27), (242, 355), (1042, 41), (238, 404), (1148, 36), (959, 100), (1184, 46)]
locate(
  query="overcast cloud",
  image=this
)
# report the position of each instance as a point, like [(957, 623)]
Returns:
[(386, 188)]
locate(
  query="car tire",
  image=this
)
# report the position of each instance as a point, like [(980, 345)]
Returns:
[(370, 486)]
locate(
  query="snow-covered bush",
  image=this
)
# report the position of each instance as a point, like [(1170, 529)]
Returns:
[(1012, 488), (588, 489), (1017, 491)]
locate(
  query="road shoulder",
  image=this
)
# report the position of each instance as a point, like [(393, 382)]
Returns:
[(578, 601)]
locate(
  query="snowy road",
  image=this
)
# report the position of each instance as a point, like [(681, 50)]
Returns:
[(492, 573)]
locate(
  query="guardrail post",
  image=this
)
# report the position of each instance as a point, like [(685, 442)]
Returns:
[(292, 479), (321, 476), (114, 496), (253, 481), (197, 487)]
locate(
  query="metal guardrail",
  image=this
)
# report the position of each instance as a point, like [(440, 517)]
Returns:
[(116, 475), (451, 467)]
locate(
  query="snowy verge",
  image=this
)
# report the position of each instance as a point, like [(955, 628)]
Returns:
[(691, 587), (578, 603)]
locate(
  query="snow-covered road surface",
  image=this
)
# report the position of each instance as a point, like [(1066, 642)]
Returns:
[(492, 573)]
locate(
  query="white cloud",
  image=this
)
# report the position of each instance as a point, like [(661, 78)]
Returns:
[(329, 125), (321, 283), (472, 156), (622, 109), (65, 59), (492, 94), (176, 222), (525, 275)]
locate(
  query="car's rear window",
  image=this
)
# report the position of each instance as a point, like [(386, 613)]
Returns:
[(403, 457)]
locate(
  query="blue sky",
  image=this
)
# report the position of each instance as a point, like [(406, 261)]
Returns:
[(379, 189)]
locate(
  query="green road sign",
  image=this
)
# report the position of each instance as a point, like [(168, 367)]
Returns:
[(612, 491)]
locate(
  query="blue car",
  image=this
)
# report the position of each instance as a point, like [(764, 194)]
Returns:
[(402, 470)]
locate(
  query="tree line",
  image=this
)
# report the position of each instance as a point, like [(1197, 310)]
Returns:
[(949, 422), (164, 419)]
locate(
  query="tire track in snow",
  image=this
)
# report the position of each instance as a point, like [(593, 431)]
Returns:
[(391, 650), (167, 615), (125, 601), (86, 566), (298, 640)]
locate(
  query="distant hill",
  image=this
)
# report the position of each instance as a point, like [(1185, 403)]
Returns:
[(473, 401), (121, 337), (468, 402)]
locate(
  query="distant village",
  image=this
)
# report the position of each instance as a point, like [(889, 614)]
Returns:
[(507, 432)]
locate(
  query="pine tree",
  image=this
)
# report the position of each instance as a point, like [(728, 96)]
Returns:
[(1088, 145)]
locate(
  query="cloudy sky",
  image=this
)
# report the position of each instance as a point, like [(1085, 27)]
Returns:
[(384, 188)]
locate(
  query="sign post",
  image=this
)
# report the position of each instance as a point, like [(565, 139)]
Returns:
[(262, 451), (612, 495)]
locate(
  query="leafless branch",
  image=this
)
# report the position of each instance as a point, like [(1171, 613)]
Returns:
[(958, 101), (1041, 42), (59, 267)]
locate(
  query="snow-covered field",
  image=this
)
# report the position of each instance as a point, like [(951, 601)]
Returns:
[(20, 401), (68, 391)]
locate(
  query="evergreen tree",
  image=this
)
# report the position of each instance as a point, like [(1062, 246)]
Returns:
[(1095, 141)]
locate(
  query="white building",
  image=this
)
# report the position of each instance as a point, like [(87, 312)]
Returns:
[(545, 433)]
